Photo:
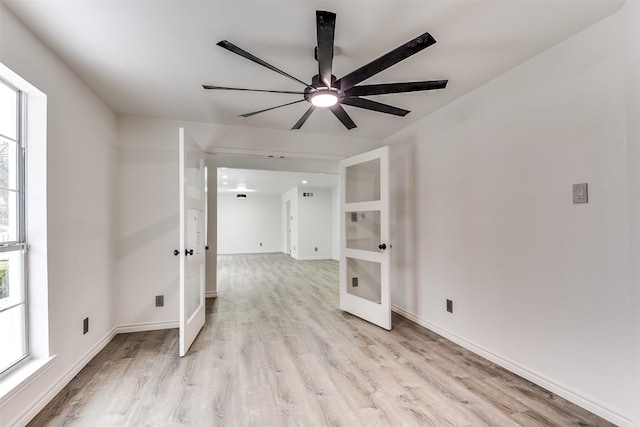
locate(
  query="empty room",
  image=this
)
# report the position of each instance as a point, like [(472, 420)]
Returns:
[(358, 213)]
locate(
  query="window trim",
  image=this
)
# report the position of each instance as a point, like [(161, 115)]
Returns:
[(35, 126), (21, 243)]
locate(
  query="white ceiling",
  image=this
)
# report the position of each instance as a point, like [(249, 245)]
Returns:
[(149, 58), (270, 182)]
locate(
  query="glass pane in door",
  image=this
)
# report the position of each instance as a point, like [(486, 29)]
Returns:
[(363, 230), (363, 182), (193, 175), (194, 279), (364, 279)]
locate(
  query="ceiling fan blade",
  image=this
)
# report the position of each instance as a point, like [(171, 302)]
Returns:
[(238, 51), (326, 27), (342, 115), (382, 89), (304, 118), (385, 61), (272, 108), (367, 104), (251, 90)]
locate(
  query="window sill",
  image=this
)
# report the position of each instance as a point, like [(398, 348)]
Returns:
[(20, 378)]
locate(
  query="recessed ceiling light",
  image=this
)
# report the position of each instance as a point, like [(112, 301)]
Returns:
[(304, 182), (242, 190), (224, 183), (225, 176)]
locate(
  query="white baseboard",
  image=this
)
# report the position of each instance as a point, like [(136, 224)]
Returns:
[(251, 252), (547, 383), (312, 258), (149, 326), (49, 394), (211, 294)]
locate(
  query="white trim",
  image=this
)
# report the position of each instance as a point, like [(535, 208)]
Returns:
[(14, 382), (211, 294), (49, 394), (251, 252), (561, 390), (143, 327), (312, 258), (250, 152)]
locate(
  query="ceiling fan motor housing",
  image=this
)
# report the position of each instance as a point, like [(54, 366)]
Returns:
[(317, 87)]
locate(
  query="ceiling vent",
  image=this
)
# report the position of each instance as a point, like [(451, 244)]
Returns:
[(307, 194), (241, 196)]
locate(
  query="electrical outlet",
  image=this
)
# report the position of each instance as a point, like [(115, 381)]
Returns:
[(580, 193), (354, 282), (159, 300), (450, 306), (85, 326)]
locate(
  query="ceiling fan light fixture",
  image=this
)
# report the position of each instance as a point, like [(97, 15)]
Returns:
[(324, 99)]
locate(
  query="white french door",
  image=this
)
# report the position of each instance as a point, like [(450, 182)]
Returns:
[(192, 240), (364, 232)]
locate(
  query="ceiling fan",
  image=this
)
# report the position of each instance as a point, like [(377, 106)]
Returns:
[(325, 91)]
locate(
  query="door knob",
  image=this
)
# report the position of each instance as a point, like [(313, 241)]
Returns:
[(176, 252), (382, 246), (188, 252)]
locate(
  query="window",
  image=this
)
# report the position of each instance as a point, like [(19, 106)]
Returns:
[(13, 309)]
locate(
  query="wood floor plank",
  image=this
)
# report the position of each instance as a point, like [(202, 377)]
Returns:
[(276, 351)]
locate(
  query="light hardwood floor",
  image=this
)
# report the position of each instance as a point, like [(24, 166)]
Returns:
[(276, 351)]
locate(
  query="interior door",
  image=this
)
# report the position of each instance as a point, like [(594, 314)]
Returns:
[(364, 224), (192, 240)]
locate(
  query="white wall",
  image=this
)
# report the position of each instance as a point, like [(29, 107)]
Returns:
[(81, 181), (313, 223), (631, 17), (539, 284), (148, 226), (315, 226), (251, 225)]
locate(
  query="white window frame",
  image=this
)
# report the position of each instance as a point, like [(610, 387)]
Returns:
[(19, 245), (34, 138)]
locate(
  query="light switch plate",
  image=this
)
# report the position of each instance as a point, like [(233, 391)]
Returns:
[(580, 193)]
